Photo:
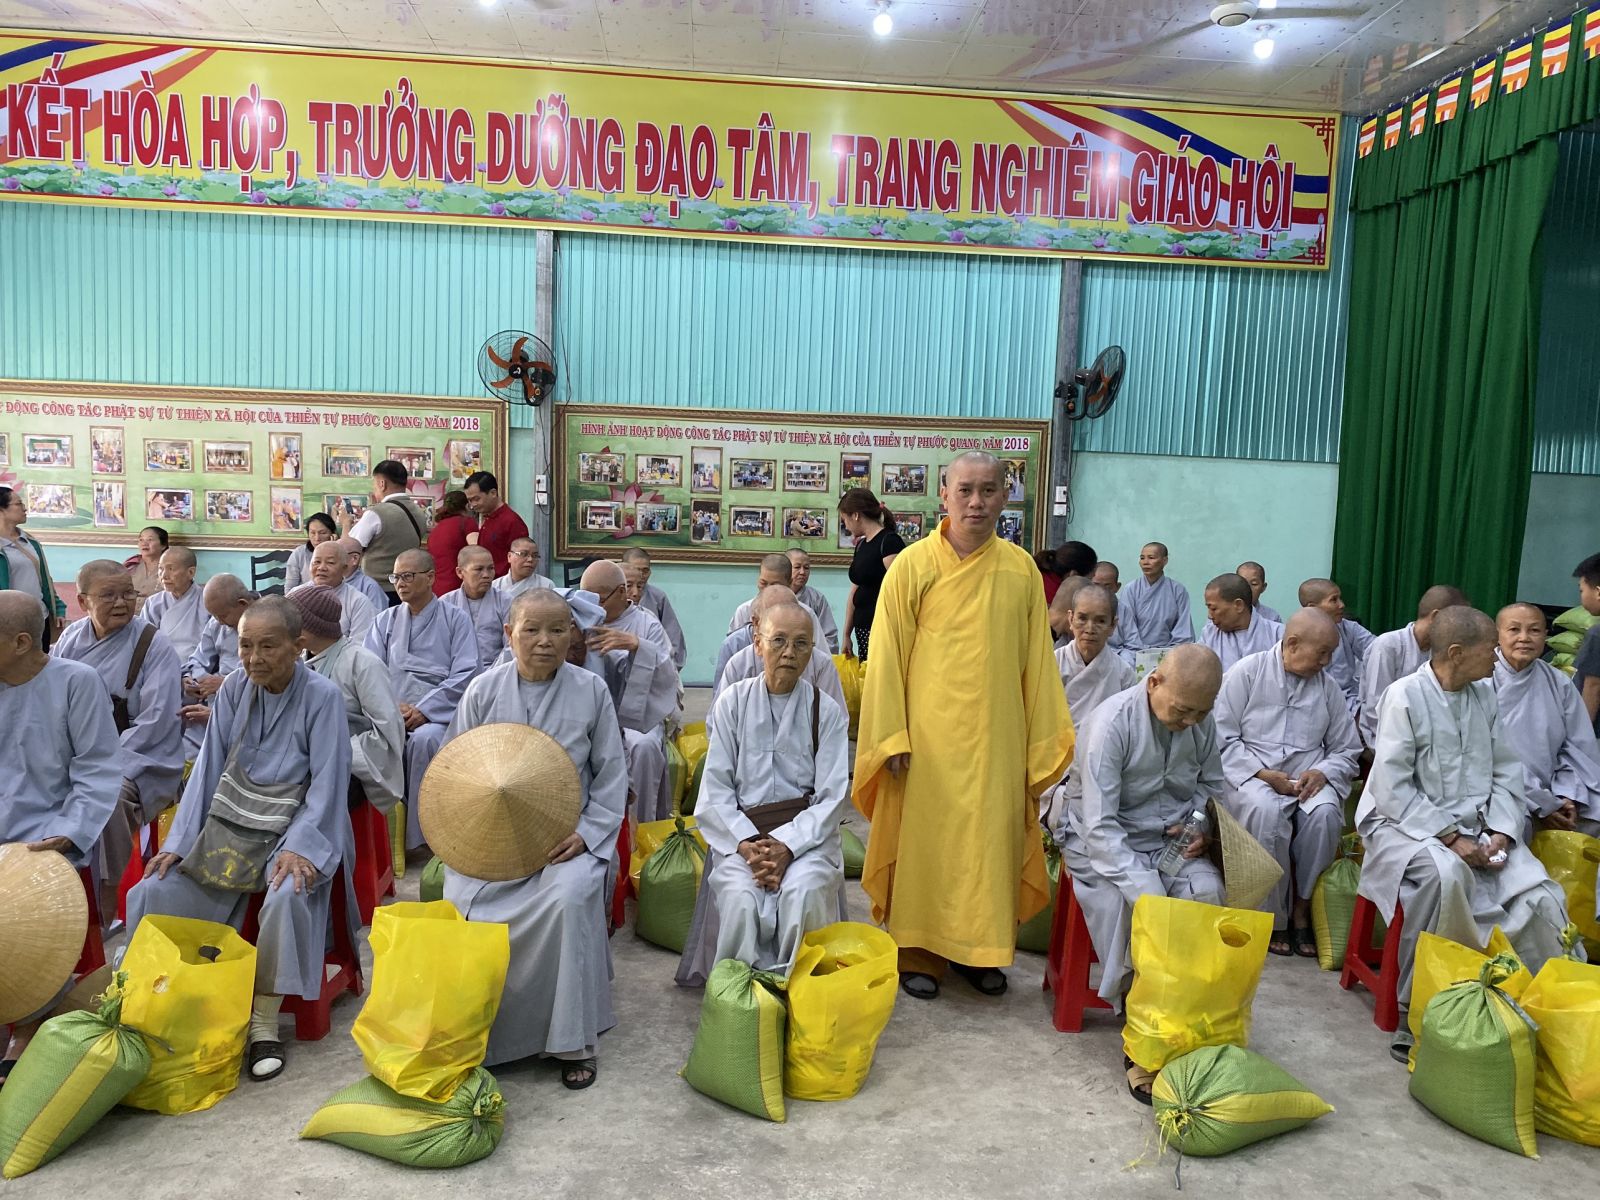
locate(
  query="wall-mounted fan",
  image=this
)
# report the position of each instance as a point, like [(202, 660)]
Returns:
[(1090, 394), (517, 368)]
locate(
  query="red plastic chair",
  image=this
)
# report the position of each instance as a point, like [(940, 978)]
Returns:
[(94, 947), (314, 1018), (137, 862), (1376, 968), (1066, 966), (374, 873), (619, 896)]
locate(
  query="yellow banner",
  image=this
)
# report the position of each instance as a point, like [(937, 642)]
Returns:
[(160, 123)]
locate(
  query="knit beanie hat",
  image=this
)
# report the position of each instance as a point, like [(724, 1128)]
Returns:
[(320, 609)]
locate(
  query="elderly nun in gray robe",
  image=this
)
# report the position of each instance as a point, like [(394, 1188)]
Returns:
[(557, 999)]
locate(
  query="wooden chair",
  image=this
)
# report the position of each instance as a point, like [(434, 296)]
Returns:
[(267, 572)]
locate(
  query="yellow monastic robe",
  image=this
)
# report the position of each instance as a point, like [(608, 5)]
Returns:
[(962, 677)]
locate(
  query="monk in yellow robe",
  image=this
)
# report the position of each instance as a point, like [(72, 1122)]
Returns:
[(963, 725)]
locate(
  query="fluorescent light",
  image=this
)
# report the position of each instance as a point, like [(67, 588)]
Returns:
[(883, 23), (1263, 48)]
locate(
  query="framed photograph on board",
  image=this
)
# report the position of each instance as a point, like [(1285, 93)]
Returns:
[(5, 449), (805, 475), (106, 455), (345, 504), (905, 479), (287, 515), (705, 469), (1016, 478), (424, 505), (655, 518), (464, 458), (230, 506), (600, 514), (346, 462), (169, 454), (855, 470), (1010, 526), (284, 449), (603, 469), (169, 504), (847, 541), (803, 523), (753, 474), (908, 526), (46, 450), (417, 460), (749, 522), (228, 458), (659, 470), (705, 523), (110, 504), (51, 500)]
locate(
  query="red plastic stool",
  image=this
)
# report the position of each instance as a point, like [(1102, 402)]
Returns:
[(94, 947), (374, 874), (1066, 967), (619, 896), (1376, 968), (134, 871), (313, 1018)]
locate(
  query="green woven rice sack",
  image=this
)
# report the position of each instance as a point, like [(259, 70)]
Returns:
[(1576, 620), (691, 794), (432, 886), (1566, 642), (1034, 933), (1476, 1060), (74, 1071), (668, 884), (1333, 903), (1216, 1099), (372, 1117), (738, 1049), (855, 853), (677, 774)]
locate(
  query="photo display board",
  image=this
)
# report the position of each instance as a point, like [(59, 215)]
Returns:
[(714, 485), (220, 468)]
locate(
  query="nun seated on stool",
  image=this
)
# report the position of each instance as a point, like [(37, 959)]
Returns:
[(776, 782), (265, 811), (487, 801)]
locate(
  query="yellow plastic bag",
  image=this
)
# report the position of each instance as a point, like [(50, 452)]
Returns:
[(693, 744), (1564, 998), (1573, 860), (1441, 963), (1195, 971), (841, 995), (436, 984), (677, 775), (197, 1004), (650, 837), (852, 673)]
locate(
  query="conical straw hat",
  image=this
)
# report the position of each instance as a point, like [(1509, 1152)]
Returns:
[(1249, 873), (498, 799), (43, 917)]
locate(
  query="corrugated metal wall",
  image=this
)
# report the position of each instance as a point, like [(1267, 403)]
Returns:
[(1223, 363), (1567, 400), (736, 325), (200, 299)]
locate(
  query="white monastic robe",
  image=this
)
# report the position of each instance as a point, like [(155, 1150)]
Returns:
[(819, 631), (654, 601), (761, 752), (820, 673), (181, 618), (731, 645), (810, 598), (1270, 720), (356, 612), (368, 587), (1270, 614), (297, 736), (1153, 616), (647, 696), (488, 614), (1138, 779), (1444, 761), (1348, 656), (513, 588), (1088, 686), (298, 569), (430, 658), (1389, 657), (557, 997), (1542, 714), (60, 758), (218, 651), (1230, 647), (372, 711)]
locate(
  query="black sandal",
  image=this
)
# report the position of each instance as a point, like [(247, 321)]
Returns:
[(1280, 944), (983, 978), (7, 1065), (573, 1076), (1304, 941), (259, 1053), (919, 984), (1141, 1083)]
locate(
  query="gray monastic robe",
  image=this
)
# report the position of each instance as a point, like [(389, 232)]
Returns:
[(60, 758), (654, 601), (296, 736), (1444, 761), (1270, 720), (648, 696), (488, 615), (430, 659), (1139, 779), (731, 645), (1255, 637), (818, 603), (1088, 686), (181, 618), (820, 673), (1270, 614), (761, 751), (1153, 616), (1389, 657), (1345, 669), (819, 631), (1542, 714), (369, 588), (218, 651), (356, 613), (514, 588), (372, 711), (557, 996)]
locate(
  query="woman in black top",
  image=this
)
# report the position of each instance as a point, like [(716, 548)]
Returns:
[(877, 542)]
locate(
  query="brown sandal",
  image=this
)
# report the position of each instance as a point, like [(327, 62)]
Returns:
[(1141, 1083)]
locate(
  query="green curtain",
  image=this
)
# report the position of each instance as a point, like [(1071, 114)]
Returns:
[(1436, 447)]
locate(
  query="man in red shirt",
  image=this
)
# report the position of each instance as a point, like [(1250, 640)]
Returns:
[(498, 523)]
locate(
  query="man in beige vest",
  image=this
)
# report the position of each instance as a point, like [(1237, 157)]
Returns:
[(391, 525)]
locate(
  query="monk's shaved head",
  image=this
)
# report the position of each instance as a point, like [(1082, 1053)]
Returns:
[(1521, 608), (790, 619), (604, 576), (1061, 605), (1310, 638), (474, 554), (413, 560), (269, 611), (1091, 596), (225, 590), (1312, 624), (21, 613), (1315, 591), (536, 603), (1231, 587), (1461, 626), (350, 546), (1183, 688), (181, 557), (98, 568), (635, 556), (980, 459), (1192, 663), (325, 552), (1440, 596), (769, 599), (1159, 547), (1251, 569), (778, 567)]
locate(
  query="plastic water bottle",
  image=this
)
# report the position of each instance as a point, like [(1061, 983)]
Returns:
[(1171, 860)]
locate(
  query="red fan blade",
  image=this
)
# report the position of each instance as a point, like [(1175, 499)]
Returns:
[(542, 366), (516, 350), (503, 382), (527, 389), (497, 360)]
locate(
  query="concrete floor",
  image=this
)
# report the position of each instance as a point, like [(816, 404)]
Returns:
[(968, 1097)]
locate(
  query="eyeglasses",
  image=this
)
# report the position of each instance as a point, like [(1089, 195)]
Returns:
[(407, 576), (112, 597), (612, 592), (781, 643)]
